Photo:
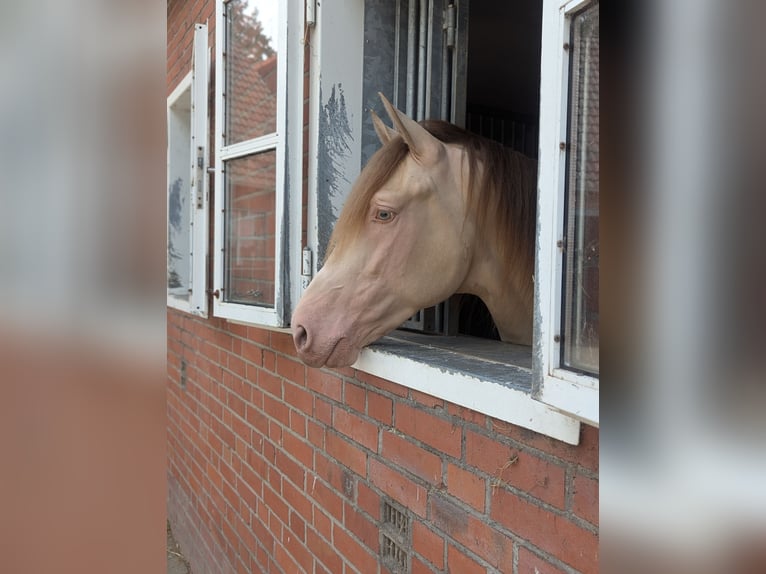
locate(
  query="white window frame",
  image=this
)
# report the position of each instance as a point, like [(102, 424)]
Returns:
[(572, 393), (196, 81), (288, 135)]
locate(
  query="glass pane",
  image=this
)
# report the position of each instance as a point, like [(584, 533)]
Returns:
[(179, 197), (250, 229), (251, 69), (581, 311)]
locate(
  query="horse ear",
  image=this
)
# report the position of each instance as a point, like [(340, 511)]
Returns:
[(423, 146), (385, 133)]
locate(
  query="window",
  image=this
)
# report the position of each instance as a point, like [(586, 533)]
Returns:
[(568, 246), (252, 135), (188, 184)]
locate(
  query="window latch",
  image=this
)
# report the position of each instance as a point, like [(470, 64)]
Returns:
[(306, 267)]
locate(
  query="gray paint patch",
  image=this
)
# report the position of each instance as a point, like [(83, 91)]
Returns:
[(334, 147)]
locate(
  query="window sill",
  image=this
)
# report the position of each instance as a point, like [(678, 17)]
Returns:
[(489, 377)]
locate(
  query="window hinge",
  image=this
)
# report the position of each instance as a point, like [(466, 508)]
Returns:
[(450, 18), (306, 267), (311, 18)]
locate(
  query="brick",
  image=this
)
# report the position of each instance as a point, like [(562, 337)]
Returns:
[(296, 498), (554, 534), (252, 353), (467, 486), (398, 487), (356, 428), (530, 563), (367, 499), (298, 449), (337, 476), (282, 343), (523, 470), (459, 563), (346, 453), (324, 383), (359, 556), (428, 544), (299, 398), (432, 430), (380, 408), (291, 369), (276, 409), (269, 361), (585, 454), (297, 525), (259, 336), (315, 434), (410, 456), (361, 527), (467, 415), (291, 469), (326, 498), (299, 553), (275, 504), (382, 384), (419, 567), (322, 523), (324, 552), (270, 384), (490, 544), (355, 397), (585, 498)]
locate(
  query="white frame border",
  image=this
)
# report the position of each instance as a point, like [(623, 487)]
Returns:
[(285, 164), (567, 391), (197, 80)]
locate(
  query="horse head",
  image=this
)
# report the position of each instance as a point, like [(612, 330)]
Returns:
[(402, 242)]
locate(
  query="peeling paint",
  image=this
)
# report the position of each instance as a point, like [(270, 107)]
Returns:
[(334, 147)]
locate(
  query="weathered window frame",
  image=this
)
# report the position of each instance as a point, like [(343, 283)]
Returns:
[(285, 142), (196, 84), (573, 393)]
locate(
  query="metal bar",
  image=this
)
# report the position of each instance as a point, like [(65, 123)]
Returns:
[(422, 35), (429, 59), (446, 82), (410, 104), (397, 48)]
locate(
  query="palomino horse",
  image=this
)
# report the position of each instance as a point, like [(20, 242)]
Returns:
[(436, 211)]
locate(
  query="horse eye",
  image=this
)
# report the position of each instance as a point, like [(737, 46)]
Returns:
[(384, 215)]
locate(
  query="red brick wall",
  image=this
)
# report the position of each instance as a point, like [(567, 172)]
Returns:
[(278, 467), (275, 467)]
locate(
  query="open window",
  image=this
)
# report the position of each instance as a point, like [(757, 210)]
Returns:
[(254, 91), (567, 278), (187, 205)]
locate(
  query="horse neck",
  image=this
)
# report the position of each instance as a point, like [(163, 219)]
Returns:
[(509, 303), (506, 287)]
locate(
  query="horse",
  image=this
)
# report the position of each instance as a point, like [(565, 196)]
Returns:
[(436, 211)]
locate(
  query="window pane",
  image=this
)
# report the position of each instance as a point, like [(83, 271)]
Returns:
[(251, 69), (250, 229), (179, 196), (581, 311)]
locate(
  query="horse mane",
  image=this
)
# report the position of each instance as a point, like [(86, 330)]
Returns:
[(501, 191)]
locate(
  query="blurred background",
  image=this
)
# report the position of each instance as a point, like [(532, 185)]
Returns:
[(82, 300)]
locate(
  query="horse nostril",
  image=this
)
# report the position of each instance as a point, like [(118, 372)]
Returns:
[(300, 337)]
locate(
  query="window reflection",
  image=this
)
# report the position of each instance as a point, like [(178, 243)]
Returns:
[(581, 308), (252, 40)]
